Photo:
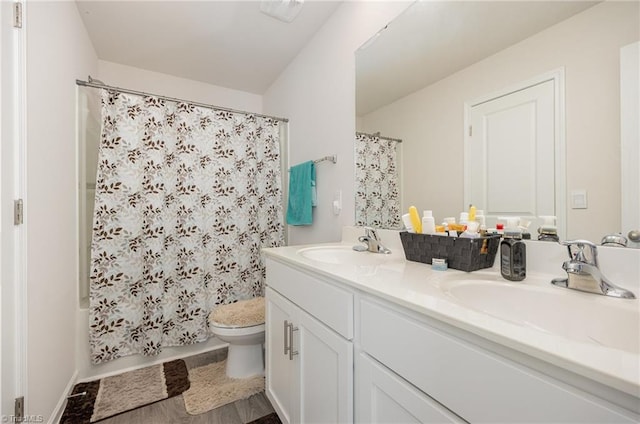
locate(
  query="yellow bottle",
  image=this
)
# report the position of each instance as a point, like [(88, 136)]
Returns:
[(472, 213), (415, 219)]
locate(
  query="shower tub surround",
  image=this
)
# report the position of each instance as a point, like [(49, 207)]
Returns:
[(409, 341)]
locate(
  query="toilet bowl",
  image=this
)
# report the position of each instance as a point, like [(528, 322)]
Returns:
[(241, 324)]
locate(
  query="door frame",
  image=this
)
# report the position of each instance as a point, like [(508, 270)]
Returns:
[(13, 307), (630, 138), (560, 173)]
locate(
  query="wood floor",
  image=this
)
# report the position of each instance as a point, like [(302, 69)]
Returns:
[(172, 410)]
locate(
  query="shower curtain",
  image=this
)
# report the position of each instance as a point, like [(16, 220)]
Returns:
[(185, 198), (377, 183)]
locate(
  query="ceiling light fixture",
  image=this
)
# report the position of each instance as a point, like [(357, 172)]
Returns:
[(283, 10)]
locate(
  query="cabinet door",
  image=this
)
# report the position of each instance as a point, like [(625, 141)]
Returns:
[(325, 373), (279, 368), (384, 397)]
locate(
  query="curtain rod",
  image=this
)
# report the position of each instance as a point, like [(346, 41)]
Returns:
[(379, 136), (99, 84)]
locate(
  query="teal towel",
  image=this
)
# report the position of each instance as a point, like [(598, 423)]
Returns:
[(302, 180)]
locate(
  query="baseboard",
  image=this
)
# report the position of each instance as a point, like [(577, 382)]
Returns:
[(59, 409)]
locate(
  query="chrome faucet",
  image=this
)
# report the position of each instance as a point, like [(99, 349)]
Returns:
[(583, 272), (371, 239)]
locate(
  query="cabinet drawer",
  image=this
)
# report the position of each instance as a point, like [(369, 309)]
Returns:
[(329, 304), (476, 384)]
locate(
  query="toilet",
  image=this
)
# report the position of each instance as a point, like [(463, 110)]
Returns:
[(241, 324)]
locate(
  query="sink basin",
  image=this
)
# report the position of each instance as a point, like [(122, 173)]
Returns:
[(590, 318), (341, 255)]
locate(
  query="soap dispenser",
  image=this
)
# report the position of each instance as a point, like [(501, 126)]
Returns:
[(513, 252)]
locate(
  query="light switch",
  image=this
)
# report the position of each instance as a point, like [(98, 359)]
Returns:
[(579, 199), (337, 202)]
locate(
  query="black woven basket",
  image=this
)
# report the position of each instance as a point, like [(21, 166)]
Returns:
[(465, 254)]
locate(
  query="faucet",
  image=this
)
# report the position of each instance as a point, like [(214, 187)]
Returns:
[(371, 239), (583, 272)]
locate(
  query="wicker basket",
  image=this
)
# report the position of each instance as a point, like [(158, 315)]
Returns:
[(465, 254)]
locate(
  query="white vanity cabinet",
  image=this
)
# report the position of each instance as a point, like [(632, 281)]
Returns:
[(477, 385), (349, 348), (309, 358)]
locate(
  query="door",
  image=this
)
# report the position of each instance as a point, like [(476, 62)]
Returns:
[(12, 106), (385, 397), (510, 154), (325, 373), (279, 370)]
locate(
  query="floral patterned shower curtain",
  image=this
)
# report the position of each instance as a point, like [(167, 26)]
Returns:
[(185, 198), (377, 184)]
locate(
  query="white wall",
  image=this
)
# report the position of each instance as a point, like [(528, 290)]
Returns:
[(58, 52), (138, 79), (430, 121), (317, 93)]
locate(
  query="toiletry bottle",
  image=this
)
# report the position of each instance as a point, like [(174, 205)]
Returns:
[(472, 213), (513, 252), (428, 223), (406, 220), (415, 219), (480, 218), (548, 230), (524, 228), (471, 231), (464, 218), (482, 223), (449, 222)]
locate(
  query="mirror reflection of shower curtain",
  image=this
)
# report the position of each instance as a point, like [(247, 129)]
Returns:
[(186, 197), (377, 188)]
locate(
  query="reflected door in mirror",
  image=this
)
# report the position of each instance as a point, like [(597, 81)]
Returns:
[(510, 169)]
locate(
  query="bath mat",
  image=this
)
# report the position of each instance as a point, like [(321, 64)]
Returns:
[(272, 418), (120, 393), (211, 388)]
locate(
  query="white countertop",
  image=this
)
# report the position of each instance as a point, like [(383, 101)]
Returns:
[(419, 288)]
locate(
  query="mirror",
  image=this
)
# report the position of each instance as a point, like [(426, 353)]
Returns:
[(414, 77)]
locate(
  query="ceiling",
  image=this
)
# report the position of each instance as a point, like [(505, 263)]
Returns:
[(226, 43), (433, 39)]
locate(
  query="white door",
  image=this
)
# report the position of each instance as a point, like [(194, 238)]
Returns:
[(384, 397), (510, 153), (279, 367), (325, 373), (12, 323)]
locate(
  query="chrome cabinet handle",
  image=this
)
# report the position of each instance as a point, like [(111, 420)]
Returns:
[(286, 334), (288, 339)]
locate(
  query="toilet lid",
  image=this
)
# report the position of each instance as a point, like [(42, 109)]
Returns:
[(244, 313)]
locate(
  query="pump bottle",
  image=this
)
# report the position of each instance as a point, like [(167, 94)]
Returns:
[(513, 252)]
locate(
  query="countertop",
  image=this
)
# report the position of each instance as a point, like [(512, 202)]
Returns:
[(417, 287)]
